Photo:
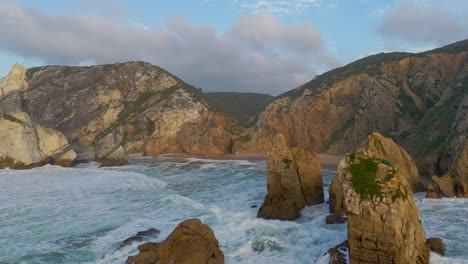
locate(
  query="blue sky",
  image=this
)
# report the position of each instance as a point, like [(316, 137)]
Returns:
[(225, 45)]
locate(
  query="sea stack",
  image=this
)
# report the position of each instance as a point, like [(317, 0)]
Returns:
[(383, 221), (294, 180), (191, 242)]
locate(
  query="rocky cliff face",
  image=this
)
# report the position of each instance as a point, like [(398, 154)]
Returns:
[(383, 220), (191, 242), (415, 99), (134, 106), (23, 143), (455, 182), (294, 180)]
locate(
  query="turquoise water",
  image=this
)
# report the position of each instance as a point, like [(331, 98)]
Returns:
[(81, 215)]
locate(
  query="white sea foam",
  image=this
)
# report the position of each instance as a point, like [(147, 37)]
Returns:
[(81, 215)]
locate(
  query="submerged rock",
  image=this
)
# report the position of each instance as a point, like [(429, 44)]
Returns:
[(294, 180), (141, 236), (192, 242), (383, 220)]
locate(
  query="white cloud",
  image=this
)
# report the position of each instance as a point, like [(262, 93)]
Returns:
[(279, 7), (280, 57), (419, 21)]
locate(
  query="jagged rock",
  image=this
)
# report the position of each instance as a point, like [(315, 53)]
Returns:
[(294, 180), (335, 219), (14, 81), (455, 182), (383, 220), (436, 245), (378, 146), (192, 242), (336, 205), (339, 254), (142, 235), (23, 143), (116, 158)]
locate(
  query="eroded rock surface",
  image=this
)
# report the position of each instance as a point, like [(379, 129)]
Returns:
[(383, 221), (294, 180), (412, 97), (23, 143), (455, 182), (192, 242)]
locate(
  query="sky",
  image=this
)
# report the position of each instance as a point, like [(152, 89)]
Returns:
[(225, 45)]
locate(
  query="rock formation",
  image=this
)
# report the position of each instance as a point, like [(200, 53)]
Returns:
[(23, 143), (412, 97), (192, 242), (294, 180), (436, 245), (455, 182), (136, 105), (378, 146), (383, 220)]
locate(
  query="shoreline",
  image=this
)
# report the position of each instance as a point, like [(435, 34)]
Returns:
[(328, 162)]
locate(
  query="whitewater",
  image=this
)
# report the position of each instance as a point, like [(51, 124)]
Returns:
[(81, 215)]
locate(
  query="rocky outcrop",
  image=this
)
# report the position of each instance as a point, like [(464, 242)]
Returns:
[(23, 143), (294, 180), (192, 242), (383, 220), (436, 245), (136, 105), (116, 158), (380, 147), (455, 182), (411, 97)]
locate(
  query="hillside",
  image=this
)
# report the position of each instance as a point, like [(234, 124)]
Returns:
[(244, 106), (133, 105), (419, 100)]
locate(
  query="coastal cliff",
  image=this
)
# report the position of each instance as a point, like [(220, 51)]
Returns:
[(416, 99)]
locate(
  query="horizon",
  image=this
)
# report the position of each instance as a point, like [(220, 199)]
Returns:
[(265, 47)]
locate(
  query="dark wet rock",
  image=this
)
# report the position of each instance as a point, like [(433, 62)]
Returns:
[(339, 254), (253, 206), (335, 219), (142, 236), (436, 245)]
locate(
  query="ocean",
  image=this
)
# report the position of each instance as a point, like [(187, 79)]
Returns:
[(82, 214)]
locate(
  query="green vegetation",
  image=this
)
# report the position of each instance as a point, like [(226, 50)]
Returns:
[(11, 118), (408, 105), (364, 178), (246, 138), (287, 162), (243, 106)]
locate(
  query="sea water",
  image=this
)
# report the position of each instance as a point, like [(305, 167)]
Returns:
[(82, 214)]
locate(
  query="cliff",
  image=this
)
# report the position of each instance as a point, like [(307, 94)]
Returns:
[(134, 106), (415, 99), (24, 143)]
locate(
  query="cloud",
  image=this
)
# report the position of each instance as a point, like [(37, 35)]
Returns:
[(416, 21), (280, 58), (278, 7)]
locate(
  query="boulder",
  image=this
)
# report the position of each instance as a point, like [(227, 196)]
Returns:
[(141, 236), (380, 147), (383, 221), (294, 180), (116, 158), (336, 197), (335, 219), (455, 182), (339, 254), (192, 242), (436, 245)]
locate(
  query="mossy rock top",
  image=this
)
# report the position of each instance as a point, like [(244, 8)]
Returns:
[(365, 178)]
